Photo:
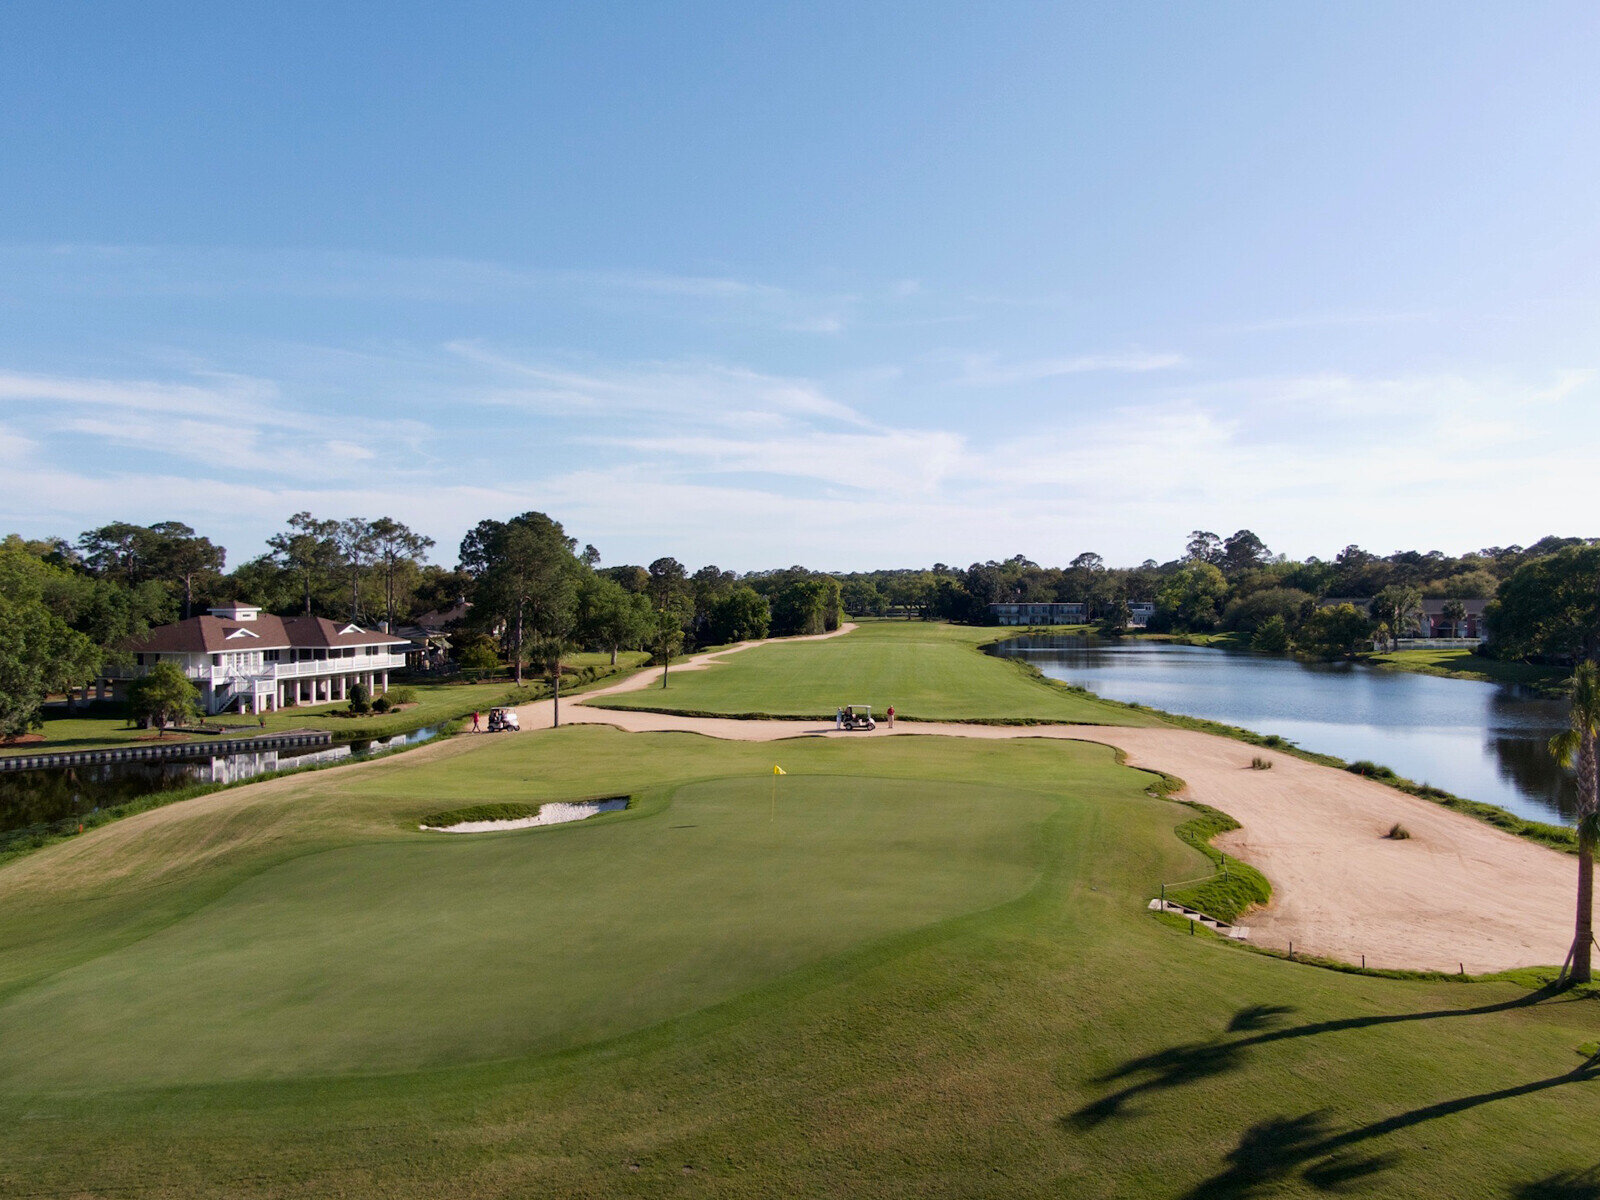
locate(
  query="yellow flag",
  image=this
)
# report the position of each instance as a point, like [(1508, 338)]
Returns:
[(777, 770)]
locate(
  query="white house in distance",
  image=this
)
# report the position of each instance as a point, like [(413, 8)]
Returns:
[(241, 659)]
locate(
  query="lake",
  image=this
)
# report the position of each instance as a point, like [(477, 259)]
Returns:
[(62, 795), (1483, 741)]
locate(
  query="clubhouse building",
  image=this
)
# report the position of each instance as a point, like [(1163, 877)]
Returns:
[(243, 660)]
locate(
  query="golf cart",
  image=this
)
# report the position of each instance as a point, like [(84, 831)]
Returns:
[(504, 720), (857, 716)]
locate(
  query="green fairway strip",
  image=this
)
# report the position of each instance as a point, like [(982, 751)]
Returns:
[(927, 671)]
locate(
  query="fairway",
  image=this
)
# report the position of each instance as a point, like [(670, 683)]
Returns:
[(919, 966), (452, 950), (926, 670)]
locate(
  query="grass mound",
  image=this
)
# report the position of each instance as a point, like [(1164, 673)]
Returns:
[(1236, 887)]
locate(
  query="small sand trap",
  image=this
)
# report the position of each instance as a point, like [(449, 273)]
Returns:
[(557, 813)]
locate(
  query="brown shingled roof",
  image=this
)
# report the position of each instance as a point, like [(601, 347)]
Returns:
[(211, 635)]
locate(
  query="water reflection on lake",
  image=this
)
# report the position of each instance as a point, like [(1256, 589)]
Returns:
[(66, 794), (1483, 741)]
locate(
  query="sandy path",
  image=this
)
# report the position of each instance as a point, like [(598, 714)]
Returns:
[(1456, 892)]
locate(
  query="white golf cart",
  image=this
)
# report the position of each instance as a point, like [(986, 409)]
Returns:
[(856, 716)]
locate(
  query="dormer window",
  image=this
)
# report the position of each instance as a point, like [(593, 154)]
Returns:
[(236, 612)]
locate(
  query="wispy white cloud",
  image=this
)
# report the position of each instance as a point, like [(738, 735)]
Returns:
[(211, 418), (879, 463), (213, 272), (1328, 320), (990, 371), (707, 393), (248, 401), (828, 323), (14, 447)]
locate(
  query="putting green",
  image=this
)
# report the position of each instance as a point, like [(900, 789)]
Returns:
[(448, 950)]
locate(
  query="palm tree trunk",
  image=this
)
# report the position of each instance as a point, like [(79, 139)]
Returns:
[(1583, 935), (1583, 930)]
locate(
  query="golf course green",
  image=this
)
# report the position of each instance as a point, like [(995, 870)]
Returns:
[(926, 670), (911, 966)]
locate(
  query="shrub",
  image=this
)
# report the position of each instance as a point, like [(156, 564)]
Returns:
[(359, 703), (1398, 832), (402, 695), (381, 705), (1260, 764), (1272, 637), (1371, 770), (479, 657)]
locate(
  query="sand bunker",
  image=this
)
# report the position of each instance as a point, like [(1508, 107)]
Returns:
[(554, 813)]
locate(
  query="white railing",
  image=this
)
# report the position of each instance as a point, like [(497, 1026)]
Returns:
[(361, 664)]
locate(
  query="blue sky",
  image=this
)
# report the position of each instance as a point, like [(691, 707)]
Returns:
[(842, 285)]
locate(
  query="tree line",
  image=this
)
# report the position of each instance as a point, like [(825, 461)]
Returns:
[(1235, 584), (68, 606)]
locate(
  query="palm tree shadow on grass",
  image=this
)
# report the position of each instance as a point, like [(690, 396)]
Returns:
[(1273, 1150), (1563, 1185), (1193, 1061), (1279, 1147)]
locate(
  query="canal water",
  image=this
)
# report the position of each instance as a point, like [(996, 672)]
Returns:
[(62, 795), (1483, 741)]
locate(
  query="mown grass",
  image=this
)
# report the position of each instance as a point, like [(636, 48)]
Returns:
[(1464, 664), (926, 670), (1235, 888), (919, 966)]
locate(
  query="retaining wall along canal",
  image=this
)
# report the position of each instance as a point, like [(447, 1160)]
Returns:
[(215, 748)]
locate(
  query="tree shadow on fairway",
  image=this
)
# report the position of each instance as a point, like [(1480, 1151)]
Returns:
[(1307, 1145), (1563, 1185), (1164, 1069), (1272, 1150), (1192, 1061)]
